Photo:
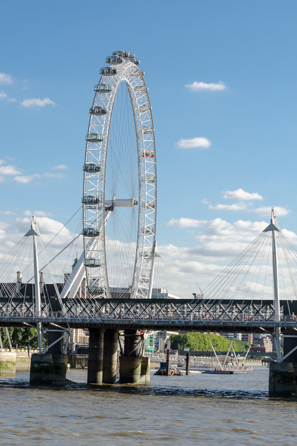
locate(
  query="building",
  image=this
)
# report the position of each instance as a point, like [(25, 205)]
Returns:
[(247, 337)]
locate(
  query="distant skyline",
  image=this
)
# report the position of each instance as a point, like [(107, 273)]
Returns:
[(221, 78)]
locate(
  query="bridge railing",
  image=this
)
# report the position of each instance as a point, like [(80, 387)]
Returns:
[(109, 309)]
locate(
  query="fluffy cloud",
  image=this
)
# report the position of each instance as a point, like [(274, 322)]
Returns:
[(194, 143), (7, 212), (202, 86), (240, 194), (266, 211), (5, 79), (37, 213), (6, 169), (25, 179), (216, 244), (36, 102), (3, 95), (186, 223), (53, 175), (229, 207), (60, 166)]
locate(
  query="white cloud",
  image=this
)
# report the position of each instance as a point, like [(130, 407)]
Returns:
[(26, 178), (7, 212), (37, 213), (240, 194), (48, 227), (201, 143), (36, 102), (215, 244), (3, 95), (5, 79), (53, 175), (12, 100), (61, 166), (202, 86), (8, 170), (229, 207), (266, 211), (219, 239), (186, 223)]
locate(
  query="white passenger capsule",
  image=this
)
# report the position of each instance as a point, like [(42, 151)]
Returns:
[(94, 289), (98, 110), (124, 54), (94, 137), (90, 199), (91, 232), (92, 167), (103, 88), (114, 60), (108, 71), (92, 263)]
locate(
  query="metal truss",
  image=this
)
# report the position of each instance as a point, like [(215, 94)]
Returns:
[(180, 314), (122, 69)]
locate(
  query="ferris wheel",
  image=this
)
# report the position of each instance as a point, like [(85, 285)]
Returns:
[(120, 183)]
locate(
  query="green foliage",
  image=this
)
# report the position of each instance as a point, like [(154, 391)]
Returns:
[(21, 336), (200, 341)]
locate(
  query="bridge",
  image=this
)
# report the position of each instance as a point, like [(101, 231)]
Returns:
[(149, 314)]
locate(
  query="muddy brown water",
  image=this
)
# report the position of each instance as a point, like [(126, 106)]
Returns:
[(189, 410)]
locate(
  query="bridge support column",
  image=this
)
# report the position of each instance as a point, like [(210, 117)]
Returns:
[(96, 350), (282, 379), (283, 376), (134, 369), (42, 370), (110, 357), (50, 368), (59, 358)]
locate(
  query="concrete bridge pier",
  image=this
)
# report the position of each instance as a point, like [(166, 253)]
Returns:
[(283, 376), (110, 356), (49, 368), (96, 355), (134, 369)]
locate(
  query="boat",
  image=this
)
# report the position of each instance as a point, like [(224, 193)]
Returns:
[(228, 364), (173, 371), (219, 372)]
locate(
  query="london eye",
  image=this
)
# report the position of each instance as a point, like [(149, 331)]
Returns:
[(120, 183)]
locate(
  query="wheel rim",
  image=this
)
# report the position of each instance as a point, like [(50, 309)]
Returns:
[(97, 206)]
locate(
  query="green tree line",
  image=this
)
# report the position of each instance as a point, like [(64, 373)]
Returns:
[(20, 336), (200, 341)]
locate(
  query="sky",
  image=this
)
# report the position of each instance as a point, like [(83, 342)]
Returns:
[(222, 84)]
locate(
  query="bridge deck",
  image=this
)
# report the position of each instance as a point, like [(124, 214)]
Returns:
[(152, 314)]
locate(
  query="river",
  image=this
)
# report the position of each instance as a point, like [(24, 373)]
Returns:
[(189, 410)]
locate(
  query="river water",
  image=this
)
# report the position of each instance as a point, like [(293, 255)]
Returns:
[(189, 410)]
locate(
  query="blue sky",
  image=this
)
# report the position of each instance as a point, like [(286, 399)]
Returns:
[(242, 57)]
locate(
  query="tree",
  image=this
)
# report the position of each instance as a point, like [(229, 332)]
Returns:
[(200, 341), (21, 336)]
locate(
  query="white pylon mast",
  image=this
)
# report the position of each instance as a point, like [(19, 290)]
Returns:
[(273, 227), (34, 232)]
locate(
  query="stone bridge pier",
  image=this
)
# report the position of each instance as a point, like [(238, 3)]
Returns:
[(134, 368), (103, 358), (283, 375), (50, 368)]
